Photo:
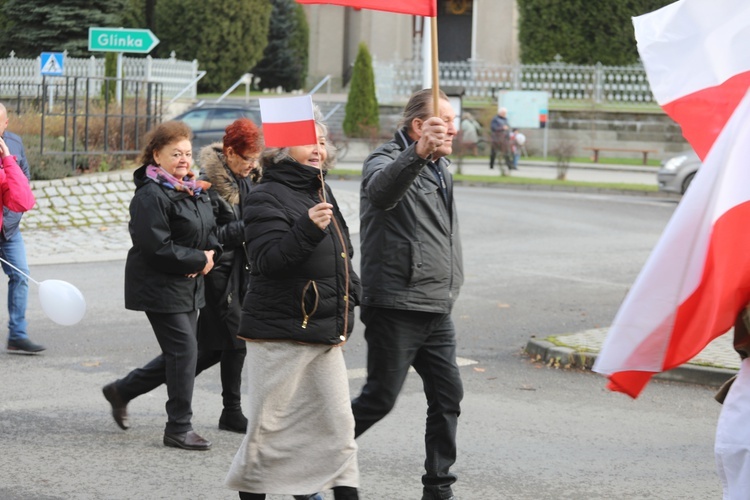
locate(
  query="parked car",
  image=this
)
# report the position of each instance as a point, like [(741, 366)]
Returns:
[(208, 121), (676, 173)]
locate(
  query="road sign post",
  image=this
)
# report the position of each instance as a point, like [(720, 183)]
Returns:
[(120, 40), (52, 64)]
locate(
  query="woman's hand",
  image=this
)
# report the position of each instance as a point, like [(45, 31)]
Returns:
[(321, 215), (209, 262), (207, 268)]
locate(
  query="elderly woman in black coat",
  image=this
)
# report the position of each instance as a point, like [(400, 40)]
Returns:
[(296, 316), (230, 166), (174, 245)]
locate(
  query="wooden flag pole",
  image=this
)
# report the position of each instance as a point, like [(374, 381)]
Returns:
[(435, 72), (322, 177)]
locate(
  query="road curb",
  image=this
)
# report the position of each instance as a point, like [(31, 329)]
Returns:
[(566, 357)]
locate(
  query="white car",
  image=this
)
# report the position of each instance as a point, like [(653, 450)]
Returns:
[(676, 173)]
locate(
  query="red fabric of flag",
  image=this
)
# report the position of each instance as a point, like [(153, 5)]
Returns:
[(426, 8), (697, 278)]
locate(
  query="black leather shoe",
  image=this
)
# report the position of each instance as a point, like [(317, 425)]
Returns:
[(187, 441), (24, 346), (233, 421), (119, 407)]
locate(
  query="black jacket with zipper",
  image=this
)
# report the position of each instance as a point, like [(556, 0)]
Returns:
[(170, 231), (410, 244), (302, 286)]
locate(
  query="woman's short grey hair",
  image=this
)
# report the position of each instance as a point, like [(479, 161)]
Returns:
[(272, 156)]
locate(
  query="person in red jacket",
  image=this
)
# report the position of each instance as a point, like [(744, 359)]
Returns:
[(15, 190), (13, 251)]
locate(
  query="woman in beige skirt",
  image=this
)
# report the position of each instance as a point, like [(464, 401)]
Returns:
[(297, 314)]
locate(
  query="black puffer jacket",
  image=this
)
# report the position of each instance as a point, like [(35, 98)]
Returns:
[(219, 320), (302, 286), (411, 248), (170, 231)]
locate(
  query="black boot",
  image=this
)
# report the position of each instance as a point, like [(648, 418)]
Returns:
[(252, 496), (232, 418), (345, 493)]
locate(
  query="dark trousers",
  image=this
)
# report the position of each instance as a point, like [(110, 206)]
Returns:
[(176, 334), (231, 363), (399, 339), (152, 375), (505, 157)]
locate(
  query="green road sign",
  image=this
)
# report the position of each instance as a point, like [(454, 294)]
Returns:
[(121, 40)]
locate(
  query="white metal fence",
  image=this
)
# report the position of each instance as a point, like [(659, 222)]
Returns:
[(599, 84), (20, 77)]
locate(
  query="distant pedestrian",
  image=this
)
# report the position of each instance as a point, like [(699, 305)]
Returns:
[(500, 139), (174, 245), (296, 316), (13, 250), (412, 271), (471, 131)]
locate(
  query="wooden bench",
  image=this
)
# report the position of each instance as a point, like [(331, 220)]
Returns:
[(644, 152)]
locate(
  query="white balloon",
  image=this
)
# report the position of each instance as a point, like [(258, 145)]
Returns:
[(62, 302)]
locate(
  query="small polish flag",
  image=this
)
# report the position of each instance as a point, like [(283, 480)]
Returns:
[(288, 121)]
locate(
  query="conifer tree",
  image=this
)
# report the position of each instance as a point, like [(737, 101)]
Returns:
[(284, 62), (31, 27), (362, 115)]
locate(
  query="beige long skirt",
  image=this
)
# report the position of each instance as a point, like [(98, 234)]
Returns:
[(300, 431)]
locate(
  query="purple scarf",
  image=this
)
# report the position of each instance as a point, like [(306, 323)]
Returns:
[(188, 184)]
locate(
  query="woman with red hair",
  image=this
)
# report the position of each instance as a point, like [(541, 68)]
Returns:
[(231, 166)]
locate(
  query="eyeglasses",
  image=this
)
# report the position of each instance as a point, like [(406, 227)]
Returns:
[(251, 159)]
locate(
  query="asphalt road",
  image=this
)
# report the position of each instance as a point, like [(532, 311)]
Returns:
[(537, 263)]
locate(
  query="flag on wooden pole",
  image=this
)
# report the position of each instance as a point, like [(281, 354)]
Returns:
[(425, 8), (697, 278), (288, 121)]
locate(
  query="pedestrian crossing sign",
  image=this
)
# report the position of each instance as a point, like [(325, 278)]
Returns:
[(52, 63)]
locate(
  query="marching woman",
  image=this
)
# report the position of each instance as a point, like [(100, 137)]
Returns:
[(174, 245), (296, 316), (231, 166)]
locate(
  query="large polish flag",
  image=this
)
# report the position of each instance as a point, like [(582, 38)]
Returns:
[(425, 8), (697, 278), (288, 121)]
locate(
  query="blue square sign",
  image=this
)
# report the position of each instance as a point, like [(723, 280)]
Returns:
[(52, 63)]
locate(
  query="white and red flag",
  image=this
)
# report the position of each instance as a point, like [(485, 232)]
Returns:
[(288, 121), (425, 8), (697, 278)]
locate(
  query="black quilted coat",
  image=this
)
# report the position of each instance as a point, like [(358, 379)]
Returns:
[(302, 286)]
